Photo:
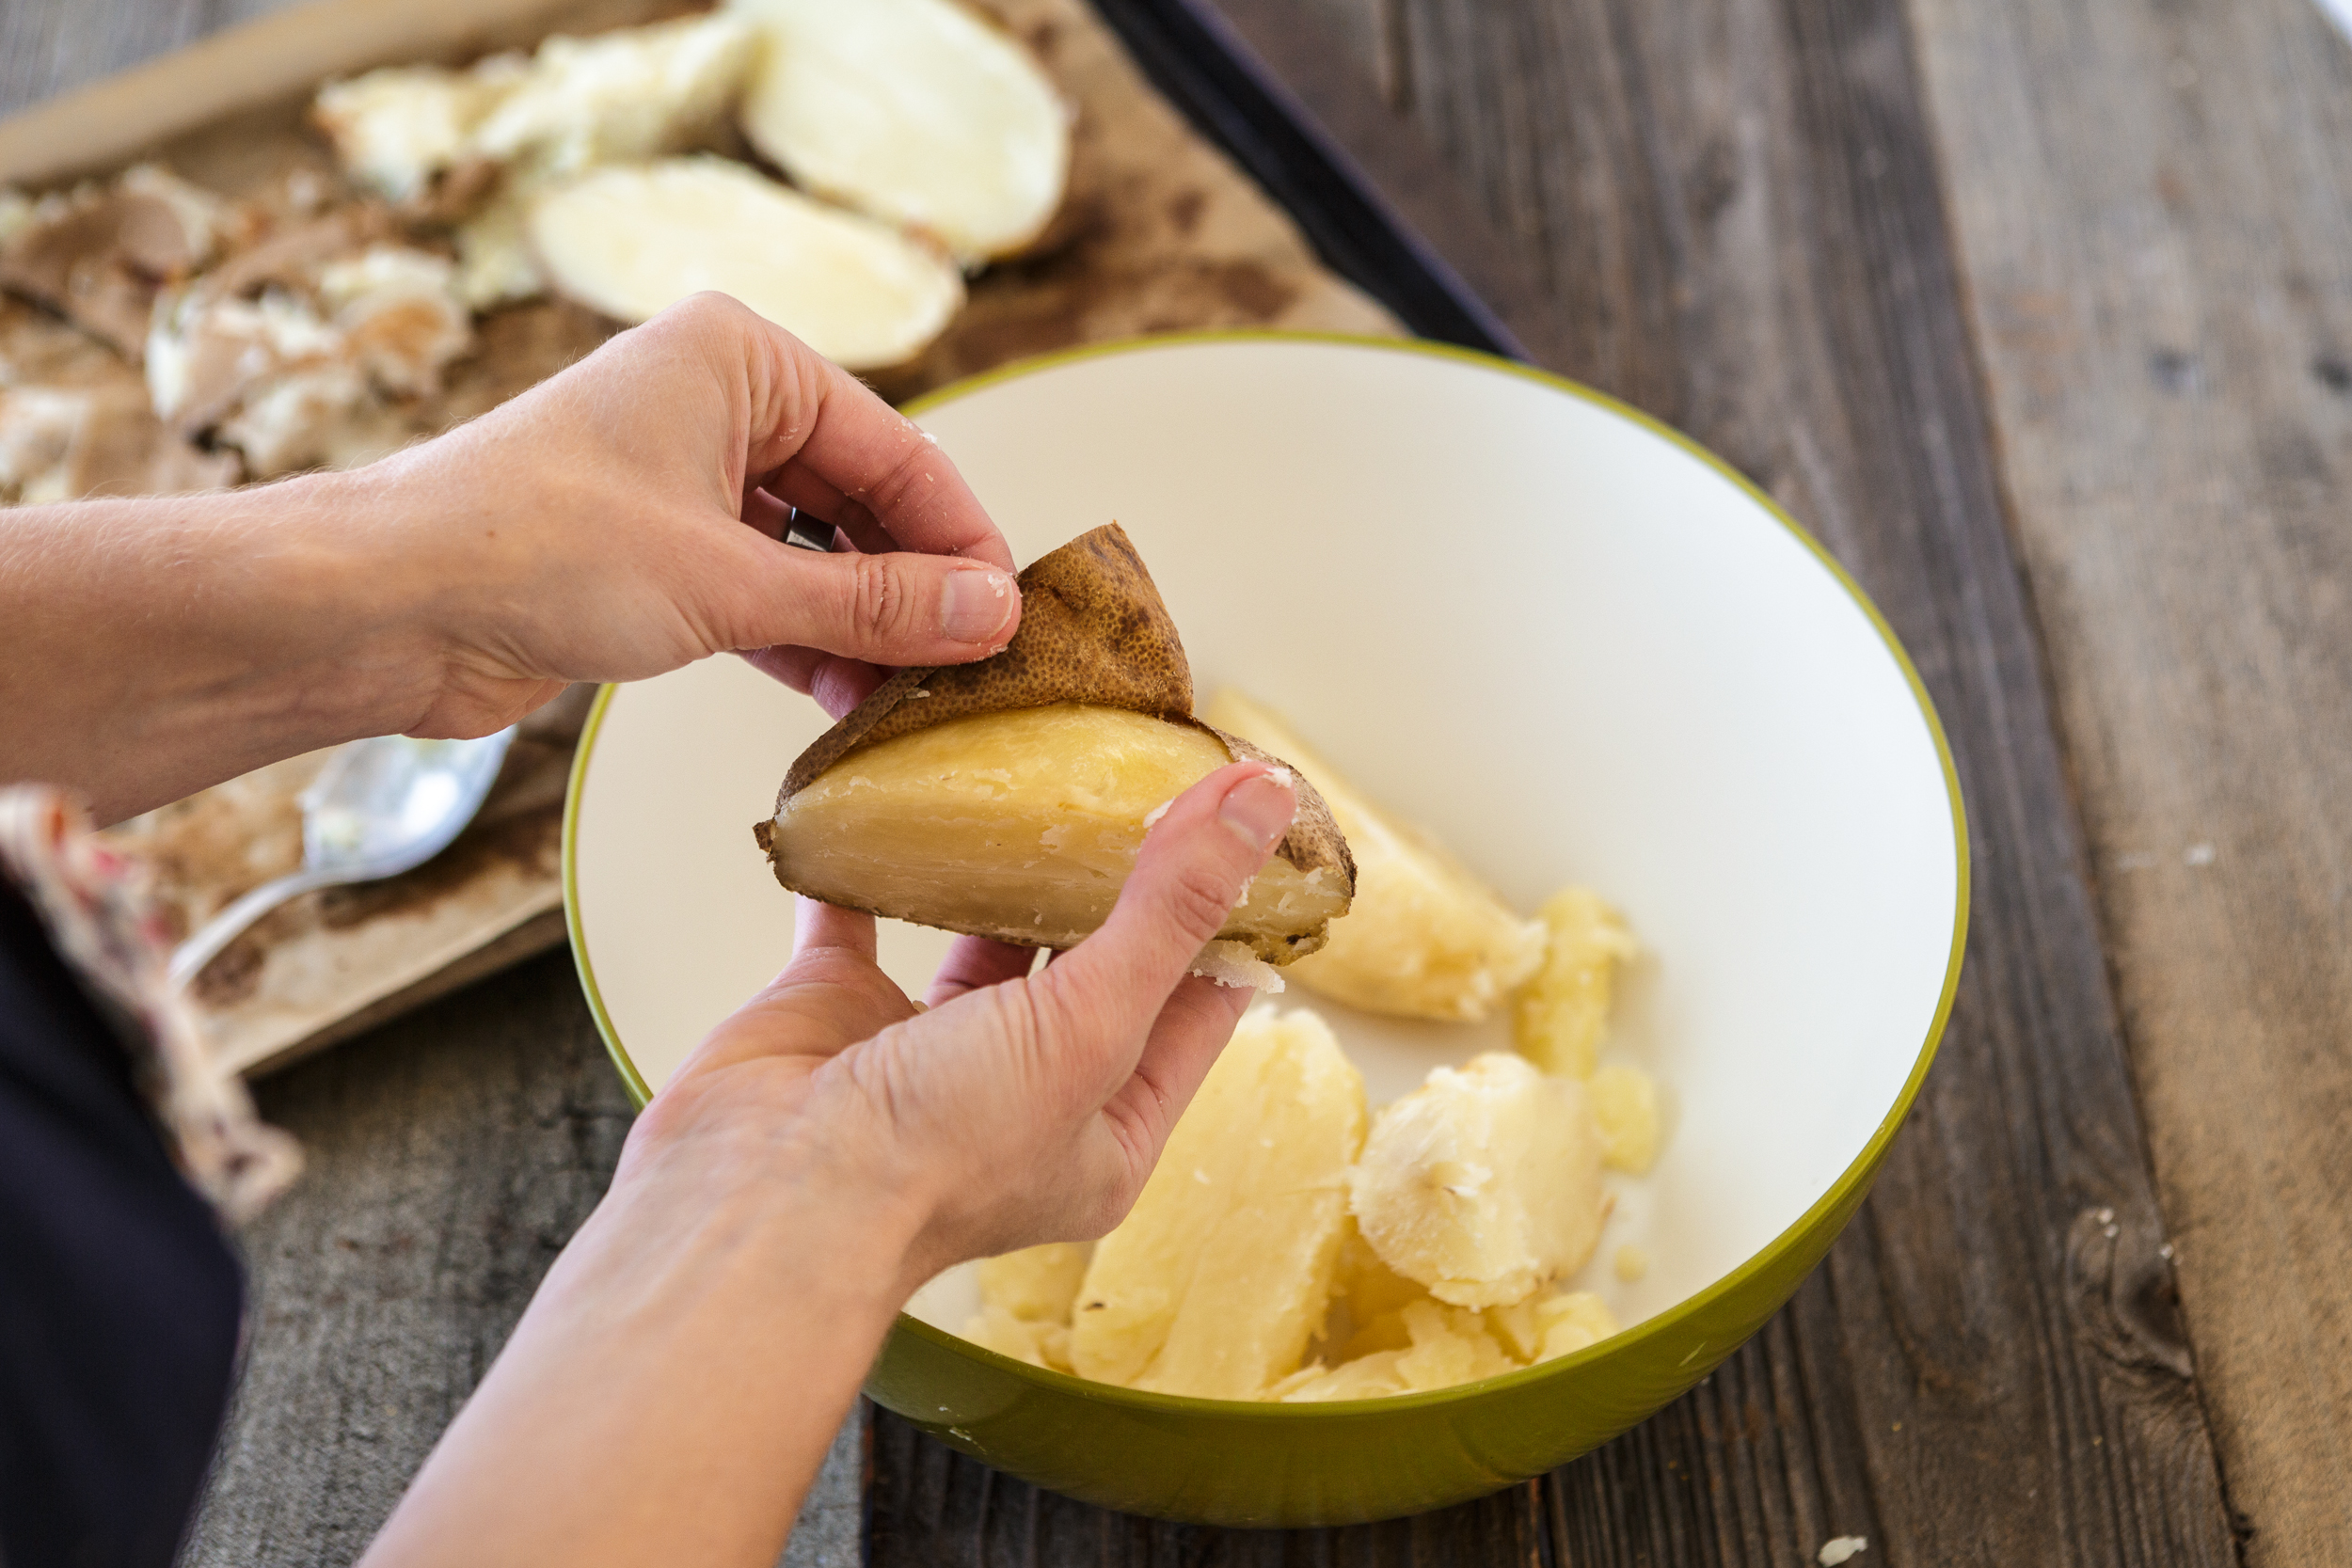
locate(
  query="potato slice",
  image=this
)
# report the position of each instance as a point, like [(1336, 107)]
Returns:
[(632, 240), (1020, 826), (1008, 798), (915, 111), (1424, 937), (1216, 1281), (1563, 1013), (1483, 1184)]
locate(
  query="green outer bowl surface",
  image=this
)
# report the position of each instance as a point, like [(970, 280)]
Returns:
[(1232, 1463)]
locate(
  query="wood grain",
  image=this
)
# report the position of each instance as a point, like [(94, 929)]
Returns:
[(1737, 203), (2153, 205), (451, 1155)]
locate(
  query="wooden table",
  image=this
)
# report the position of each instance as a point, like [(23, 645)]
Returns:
[(2040, 312)]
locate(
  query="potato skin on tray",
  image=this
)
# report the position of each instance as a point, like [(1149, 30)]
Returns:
[(1006, 798)]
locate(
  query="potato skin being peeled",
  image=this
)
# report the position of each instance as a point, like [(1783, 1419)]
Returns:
[(1008, 798)]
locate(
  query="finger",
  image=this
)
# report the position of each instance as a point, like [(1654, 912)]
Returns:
[(975, 963), (1191, 873), (1184, 1043), (765, 513), (811, 413), (837, 684), (821, 926), (815, 498), (895, 610)]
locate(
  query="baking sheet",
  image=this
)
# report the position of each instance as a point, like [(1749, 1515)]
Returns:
[(1160, 232)]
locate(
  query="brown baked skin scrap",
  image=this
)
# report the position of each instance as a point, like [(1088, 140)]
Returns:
[(1093, 630)]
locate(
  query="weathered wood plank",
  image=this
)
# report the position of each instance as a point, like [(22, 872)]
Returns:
[(1736, 203), (47, 49), (2153, 205), (451, 1154)]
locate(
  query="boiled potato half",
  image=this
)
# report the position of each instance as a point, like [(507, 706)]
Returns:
[(1009, 798), (917, 112), (632, 240)]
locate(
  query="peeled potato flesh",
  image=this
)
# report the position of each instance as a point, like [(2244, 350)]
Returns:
[(1220, 1276), (1563, 1012), (917, 112), (1021, 824), (1424, 937), (631, 241), (1625, 1101), (1485, 1183)]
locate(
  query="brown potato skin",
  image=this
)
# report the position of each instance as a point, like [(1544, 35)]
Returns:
[(1093, 630)]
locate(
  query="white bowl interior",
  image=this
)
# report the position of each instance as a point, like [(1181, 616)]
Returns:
[(1567, 644)]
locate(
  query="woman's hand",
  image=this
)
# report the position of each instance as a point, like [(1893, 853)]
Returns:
[(595, 527), (672, 1388), (618, 520), (1018, 1108)]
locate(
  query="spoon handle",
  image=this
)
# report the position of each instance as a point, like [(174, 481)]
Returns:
[(189, 958)]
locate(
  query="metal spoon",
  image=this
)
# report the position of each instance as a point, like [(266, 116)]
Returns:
[(378, 808)]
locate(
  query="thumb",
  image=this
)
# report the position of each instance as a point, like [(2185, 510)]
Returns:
[(1193, 870), (897, 609)]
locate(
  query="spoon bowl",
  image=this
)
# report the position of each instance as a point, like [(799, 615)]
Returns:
[(379, 807)]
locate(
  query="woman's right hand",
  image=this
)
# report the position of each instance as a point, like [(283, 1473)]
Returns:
[(624, 517)]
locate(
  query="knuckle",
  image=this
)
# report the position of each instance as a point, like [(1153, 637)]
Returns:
[(879, 606), (1198, 898)]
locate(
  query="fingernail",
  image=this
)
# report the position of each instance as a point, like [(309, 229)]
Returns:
[(1260, 808), (974, 605)]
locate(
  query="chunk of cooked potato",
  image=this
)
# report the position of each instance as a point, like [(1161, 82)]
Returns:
[(1625, 1101), (1559, 1019), (1424, 937), (1218, 1279), (1483, 1184)]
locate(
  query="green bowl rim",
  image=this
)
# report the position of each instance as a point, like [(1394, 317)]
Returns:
[(1675, 1317)]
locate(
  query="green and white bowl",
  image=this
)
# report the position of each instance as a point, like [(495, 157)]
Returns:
[(1569, 642)]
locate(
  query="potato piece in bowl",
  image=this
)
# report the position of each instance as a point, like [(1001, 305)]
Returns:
[(1485, 1183), (1424, 937), (1559, 1019), (1220, 1276)]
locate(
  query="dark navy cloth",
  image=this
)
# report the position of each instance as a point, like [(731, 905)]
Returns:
[(120, 1297)]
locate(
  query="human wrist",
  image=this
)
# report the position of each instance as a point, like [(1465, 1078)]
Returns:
[(784, 1187)]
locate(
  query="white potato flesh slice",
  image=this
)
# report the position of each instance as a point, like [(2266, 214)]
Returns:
[(632, 241), (915, 111)]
